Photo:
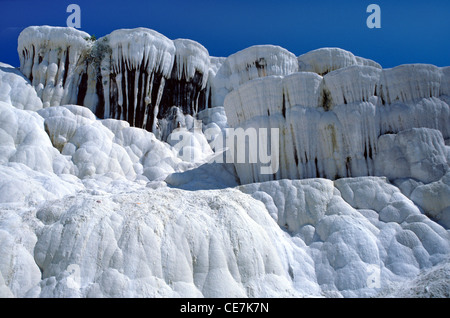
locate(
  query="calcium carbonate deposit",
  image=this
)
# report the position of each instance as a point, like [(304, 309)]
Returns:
[(113, 183)]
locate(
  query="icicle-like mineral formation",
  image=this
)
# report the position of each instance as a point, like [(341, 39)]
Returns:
[(330, 125), (54, 60), (251, 63), (136, 75), (186, 85), (331, 107)]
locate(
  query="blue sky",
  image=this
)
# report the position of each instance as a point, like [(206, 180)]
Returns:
[(412, 31)]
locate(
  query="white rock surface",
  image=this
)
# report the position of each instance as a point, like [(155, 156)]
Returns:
[(272, 95), (111, 148), (418, 153), (16, 89), (412, 82), (352, 84), (18, 269), (251, 63), (325, 60), (152, 243), (430, 283), (53, 58), (434, 199), (330, 126), (357, 230), (23, 140), (352, 238)]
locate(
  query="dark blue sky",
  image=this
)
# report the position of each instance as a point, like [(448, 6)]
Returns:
[(412, 31)]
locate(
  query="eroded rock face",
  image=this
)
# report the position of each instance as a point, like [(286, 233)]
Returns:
[(356, 230), (418, 153), (290, 238), (54, 59), (249, 64), (16, 89), (150, 243), (133, 75), (325, 60), (330, 126), (330, 106)]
